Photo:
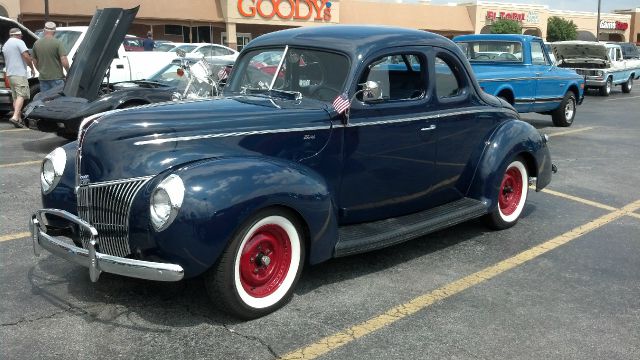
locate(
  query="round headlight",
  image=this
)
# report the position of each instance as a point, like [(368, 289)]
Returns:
[(52, 169), (165, 202)]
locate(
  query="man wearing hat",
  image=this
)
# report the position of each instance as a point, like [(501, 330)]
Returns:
[(49, 56), (17, 58)]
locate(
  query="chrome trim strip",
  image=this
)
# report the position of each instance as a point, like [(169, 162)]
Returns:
[(427, 117), (220, 135), (276, 131), (528, 78), (537, 100), (97, 262), (119, 181)]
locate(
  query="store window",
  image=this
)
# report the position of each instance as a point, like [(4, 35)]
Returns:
[(242, 39), (173, 30)]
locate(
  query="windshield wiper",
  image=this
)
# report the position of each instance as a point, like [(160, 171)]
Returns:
[(288, 94)]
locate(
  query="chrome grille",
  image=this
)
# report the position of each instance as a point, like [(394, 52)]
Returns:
[(106, 206), (584, 72)]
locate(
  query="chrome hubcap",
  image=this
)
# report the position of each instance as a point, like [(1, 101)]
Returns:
[(569, 109), (608, 86)]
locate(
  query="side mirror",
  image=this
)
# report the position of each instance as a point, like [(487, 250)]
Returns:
[(371, 91)]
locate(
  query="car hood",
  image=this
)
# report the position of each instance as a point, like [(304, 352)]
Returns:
[(27, 35), (98, 48), (147, 140), (579, 50)]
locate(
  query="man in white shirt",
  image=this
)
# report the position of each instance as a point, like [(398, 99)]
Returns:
[(16, 59)]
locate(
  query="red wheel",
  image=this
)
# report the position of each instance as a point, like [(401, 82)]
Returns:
[(512, 195), (258, 271)]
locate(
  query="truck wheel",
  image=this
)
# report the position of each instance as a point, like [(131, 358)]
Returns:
[(606, 89), (566, 111), (626, 87), (512, 194), (259, 269)]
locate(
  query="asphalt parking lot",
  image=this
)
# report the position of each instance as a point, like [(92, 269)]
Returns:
[(564, 283)]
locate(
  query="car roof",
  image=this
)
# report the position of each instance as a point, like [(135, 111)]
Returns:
[(499, 37), (351, 39)]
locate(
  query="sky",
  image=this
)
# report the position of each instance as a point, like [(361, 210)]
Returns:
[(577, 5)]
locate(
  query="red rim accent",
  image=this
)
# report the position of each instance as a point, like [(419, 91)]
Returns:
[(265, 260), (510, 191)]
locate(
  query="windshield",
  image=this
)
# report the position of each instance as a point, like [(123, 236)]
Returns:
[(316, 74), (164, 47), (503, 51), (169, 75), (187, 48), (68, 38)]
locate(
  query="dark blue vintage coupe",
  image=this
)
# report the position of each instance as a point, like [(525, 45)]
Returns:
[(329, 141)]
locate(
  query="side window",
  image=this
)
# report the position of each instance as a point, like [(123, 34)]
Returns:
[(537, 55), (205, 50), (618, 54), (399, 76), (447, 82), (612, 54)]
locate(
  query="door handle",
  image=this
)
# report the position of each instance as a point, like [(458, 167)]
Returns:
[(119, 66), (430, 127)]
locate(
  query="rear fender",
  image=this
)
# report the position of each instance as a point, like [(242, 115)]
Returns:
[(511, 139), (220, 194)]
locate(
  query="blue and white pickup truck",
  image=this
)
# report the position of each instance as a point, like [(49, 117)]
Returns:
[(518, 69), (602, 64)]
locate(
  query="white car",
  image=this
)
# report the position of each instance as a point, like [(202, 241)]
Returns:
[(215, 51)]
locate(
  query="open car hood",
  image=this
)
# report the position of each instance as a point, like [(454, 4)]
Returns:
[(98, 48), (27, 35), (569, 50)]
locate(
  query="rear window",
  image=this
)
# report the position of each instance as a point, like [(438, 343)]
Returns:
[(501, 51)]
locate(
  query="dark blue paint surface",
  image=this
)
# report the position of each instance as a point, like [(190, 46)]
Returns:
[(240, 154)]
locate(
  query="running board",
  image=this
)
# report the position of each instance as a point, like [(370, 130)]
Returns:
[(359, 238)]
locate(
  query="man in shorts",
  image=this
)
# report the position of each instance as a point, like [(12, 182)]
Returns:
[(16, 59), (49, 57)]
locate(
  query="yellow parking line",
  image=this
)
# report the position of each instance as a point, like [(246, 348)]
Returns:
[(580, 200), (21, 163), (14, 130), (14, 236), (399, 312), (634, 215), (571, 131)]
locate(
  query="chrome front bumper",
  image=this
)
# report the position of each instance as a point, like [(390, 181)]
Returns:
[(91, 258)]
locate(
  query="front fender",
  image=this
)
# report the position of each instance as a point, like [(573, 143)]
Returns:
[(511, 139), (220, 194)]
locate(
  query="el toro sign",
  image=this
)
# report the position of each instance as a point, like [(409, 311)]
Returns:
[(286, 9)]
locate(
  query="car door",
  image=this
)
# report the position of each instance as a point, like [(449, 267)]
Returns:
[(549, 88), (389, 154), (463, 125)]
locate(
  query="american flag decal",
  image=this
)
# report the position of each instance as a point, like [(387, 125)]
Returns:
[(341, 103)]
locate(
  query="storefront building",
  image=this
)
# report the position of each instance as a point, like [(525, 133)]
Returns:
[(236, 22)]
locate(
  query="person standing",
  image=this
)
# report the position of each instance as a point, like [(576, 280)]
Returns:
[(50, 57), (148, 43), (17, 58)]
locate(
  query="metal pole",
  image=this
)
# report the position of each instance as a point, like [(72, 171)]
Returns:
[(46, 10), (598, 24)]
